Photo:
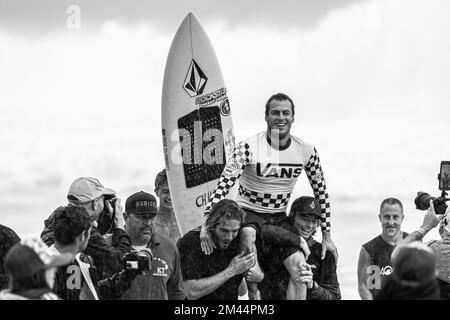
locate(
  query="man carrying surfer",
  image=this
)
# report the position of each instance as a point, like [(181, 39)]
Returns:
[(267, 166), (216, 276)]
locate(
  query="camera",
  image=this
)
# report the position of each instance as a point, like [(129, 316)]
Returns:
[(106, 219), (138, 260), (422, 201)]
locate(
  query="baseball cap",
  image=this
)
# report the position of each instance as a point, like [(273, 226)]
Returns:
[(30, 256), (306, 205), (86, 189), (141, 203)]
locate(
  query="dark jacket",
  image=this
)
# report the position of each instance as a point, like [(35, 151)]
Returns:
[(324, 271), (8, 238), (107, 257), (69, 281)]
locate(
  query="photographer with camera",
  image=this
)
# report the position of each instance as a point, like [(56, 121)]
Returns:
[(438, 214), (162, 279), (106, 212), (441, 248), (80, 280)]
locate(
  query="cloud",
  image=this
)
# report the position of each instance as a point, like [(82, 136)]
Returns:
[(40, 17)]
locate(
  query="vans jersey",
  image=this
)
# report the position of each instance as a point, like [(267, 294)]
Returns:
[(267, 176)]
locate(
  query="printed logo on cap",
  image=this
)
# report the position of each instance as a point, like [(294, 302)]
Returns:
[(144, 203)]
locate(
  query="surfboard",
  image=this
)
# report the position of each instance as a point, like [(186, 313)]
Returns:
[(197, 128)]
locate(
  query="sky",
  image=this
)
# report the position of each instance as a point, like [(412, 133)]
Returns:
[(33, 18), (377, 71), (369, 80)]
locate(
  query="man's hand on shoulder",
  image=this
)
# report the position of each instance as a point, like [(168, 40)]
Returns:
[(328, 245), (206, 241), (304, 247)]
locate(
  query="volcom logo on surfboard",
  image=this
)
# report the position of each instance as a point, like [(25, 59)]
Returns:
[(195, 80)]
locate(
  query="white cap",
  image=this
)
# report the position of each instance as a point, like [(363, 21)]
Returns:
[(86, 189)]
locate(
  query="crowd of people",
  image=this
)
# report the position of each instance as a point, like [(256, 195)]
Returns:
[(93, 248)]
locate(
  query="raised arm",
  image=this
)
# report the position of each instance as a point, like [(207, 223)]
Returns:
[(317, 181), (230, 174), (430, 221)]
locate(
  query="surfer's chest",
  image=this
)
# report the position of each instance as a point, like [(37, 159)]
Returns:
[(271, 163)]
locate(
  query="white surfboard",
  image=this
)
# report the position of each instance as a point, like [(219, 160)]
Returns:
[(197, 130)]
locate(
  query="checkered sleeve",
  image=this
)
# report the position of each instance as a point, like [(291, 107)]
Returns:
[(317, 181), (232, 171)]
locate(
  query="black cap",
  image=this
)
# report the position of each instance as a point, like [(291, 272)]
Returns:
[(141, 203), (306, 205)]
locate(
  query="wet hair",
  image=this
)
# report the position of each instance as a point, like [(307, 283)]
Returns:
[(161, 178), (30, 283), (69, 222), (392, 202), (227, 209), (279, 97)]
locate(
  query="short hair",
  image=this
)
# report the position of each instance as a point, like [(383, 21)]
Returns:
[(25, 284), (226, 208), (279, 97), (392, 202), (161, 177), (69, 223)]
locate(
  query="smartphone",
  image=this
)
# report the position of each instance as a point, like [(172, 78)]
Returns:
[(444, 176)]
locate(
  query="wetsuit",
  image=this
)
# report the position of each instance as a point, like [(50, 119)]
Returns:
[(267, 176)]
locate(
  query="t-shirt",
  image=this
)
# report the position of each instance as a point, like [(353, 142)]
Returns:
[(267, 175), (196, 265), (166, 225), (380, 256), (163, 281)]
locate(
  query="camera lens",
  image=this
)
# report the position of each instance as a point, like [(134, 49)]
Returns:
[(422, 201)]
